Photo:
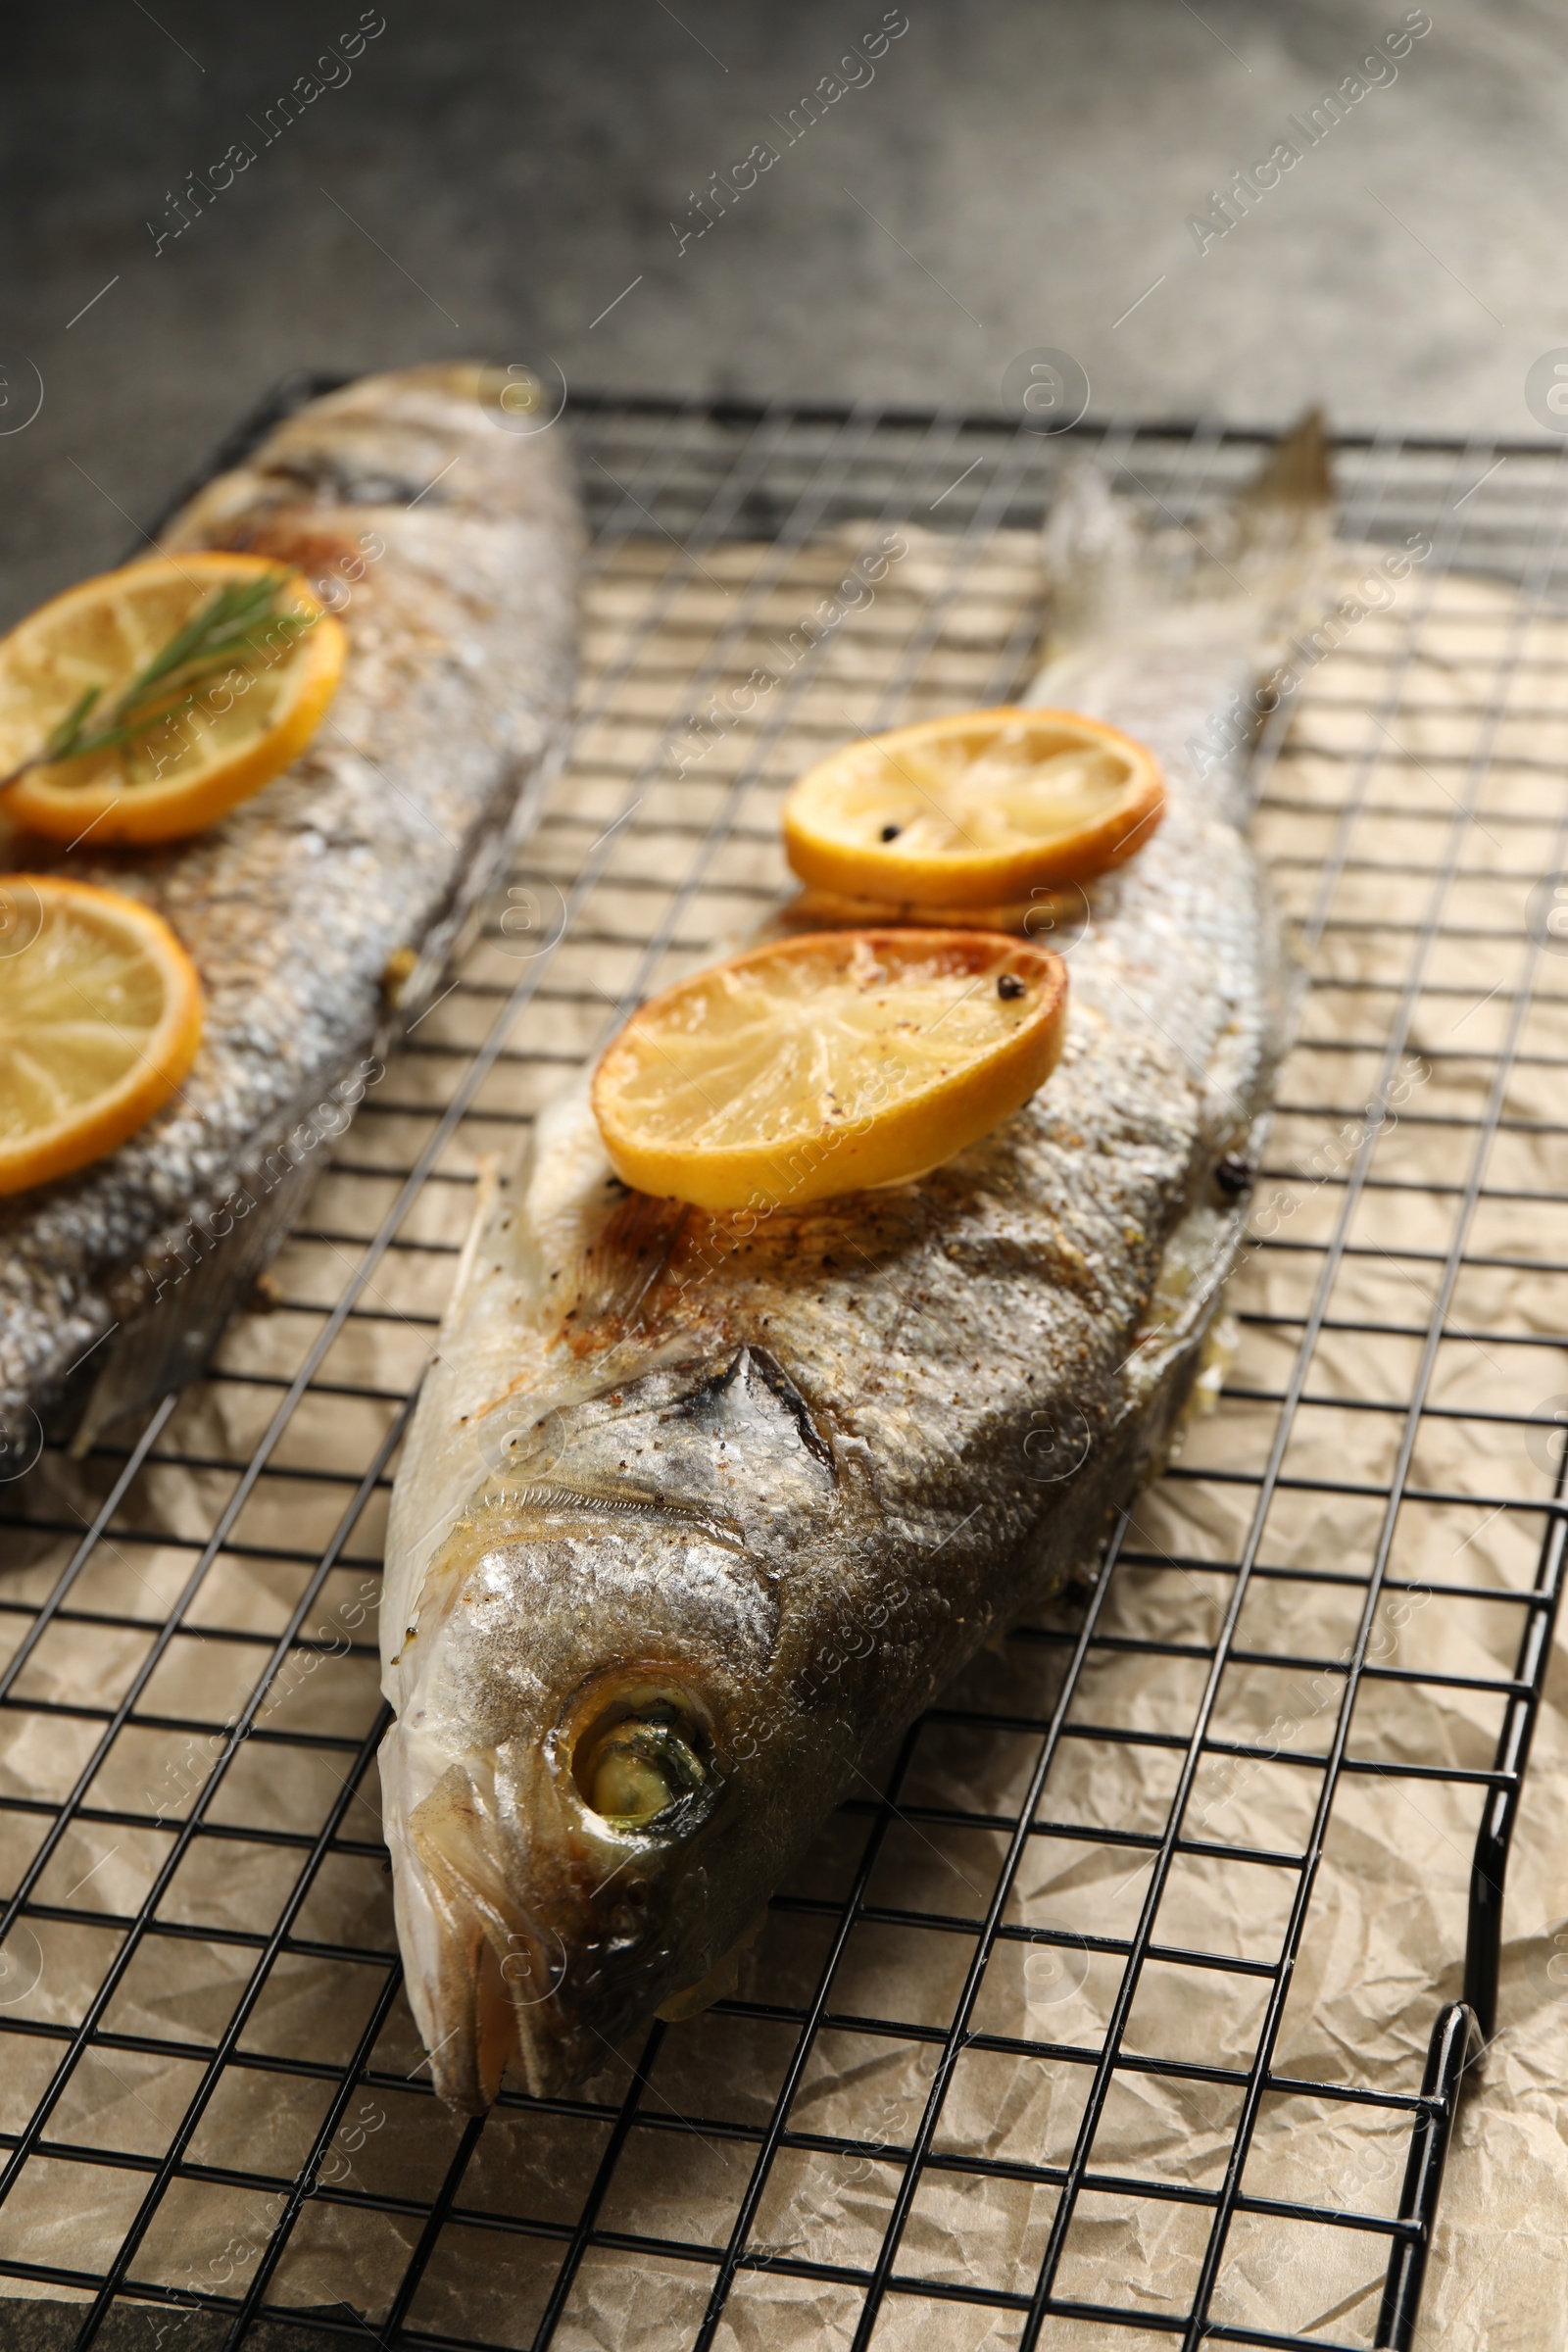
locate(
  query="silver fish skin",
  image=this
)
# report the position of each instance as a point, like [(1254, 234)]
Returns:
[(698, 1512), (450, 548)]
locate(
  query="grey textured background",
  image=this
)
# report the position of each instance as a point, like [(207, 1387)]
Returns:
[(1018, 172)]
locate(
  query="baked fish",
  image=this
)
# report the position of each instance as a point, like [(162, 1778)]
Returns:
[(698, 1511), (449, 548)]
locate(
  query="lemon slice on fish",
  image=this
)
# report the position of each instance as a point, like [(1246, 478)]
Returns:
[(976, 809), (163, 751), (828, 1063), (100, 1018)]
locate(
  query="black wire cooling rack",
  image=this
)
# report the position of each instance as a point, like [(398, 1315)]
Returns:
[(208, 1821)]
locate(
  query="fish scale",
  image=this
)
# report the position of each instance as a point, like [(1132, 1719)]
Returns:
[(457, 543), (873, 1431)]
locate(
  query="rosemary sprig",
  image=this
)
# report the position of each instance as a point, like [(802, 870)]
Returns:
[(231, 625)]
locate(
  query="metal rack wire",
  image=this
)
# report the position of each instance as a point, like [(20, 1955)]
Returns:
[(223, 1728)]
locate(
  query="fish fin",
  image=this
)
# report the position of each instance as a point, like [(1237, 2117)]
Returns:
[(720, 1981), (1257, 559), (628, 1257), (486, 1193), (492, 841), (162, 1345), (1299, 469)]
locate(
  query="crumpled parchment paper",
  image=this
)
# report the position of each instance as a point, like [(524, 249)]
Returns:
[(1374, 766)]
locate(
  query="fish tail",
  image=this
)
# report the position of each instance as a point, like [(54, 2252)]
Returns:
[(1182, 628)]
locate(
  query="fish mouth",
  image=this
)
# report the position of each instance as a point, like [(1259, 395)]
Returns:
[(537, 1953), (477, 1960)]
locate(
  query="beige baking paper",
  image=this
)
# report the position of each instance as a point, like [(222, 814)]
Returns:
[(1377, 758)]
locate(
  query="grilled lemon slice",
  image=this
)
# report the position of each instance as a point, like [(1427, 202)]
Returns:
[(824, 1065), (227, 728), (976, 809), (100, 1017)]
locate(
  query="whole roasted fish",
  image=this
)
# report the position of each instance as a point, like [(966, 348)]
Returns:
[(699, 1511), (448, 545)]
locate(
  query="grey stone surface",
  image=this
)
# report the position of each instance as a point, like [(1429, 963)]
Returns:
[(1016, 173)]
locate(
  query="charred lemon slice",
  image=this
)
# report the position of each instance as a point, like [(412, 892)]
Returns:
[(146, 703), (978, 809), (100, 1017), (823, 1064)]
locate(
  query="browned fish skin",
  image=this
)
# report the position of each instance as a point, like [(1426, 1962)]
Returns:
[(758, 1486), (450, 547)]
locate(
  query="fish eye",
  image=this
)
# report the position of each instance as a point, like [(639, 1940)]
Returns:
[(638, 1771), (639, 1758)]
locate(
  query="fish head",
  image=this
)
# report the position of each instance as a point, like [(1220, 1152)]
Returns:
[(583, 1787)]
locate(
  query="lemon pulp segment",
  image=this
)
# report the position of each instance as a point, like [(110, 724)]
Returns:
[(827, 1063), (100, 1018), (975, 809), (240, 725)]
